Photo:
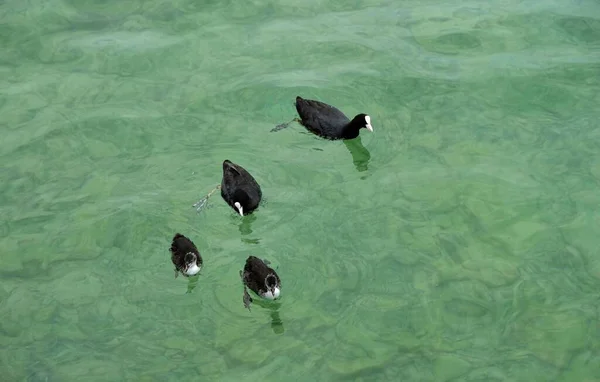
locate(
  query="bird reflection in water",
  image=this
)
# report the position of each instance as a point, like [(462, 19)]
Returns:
[(245, 228), (273, 307), (192, 283), (360, 155)]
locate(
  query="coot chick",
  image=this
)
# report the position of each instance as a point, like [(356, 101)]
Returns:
[(185, 256), (239, 189), (327, 121), (261, 279)]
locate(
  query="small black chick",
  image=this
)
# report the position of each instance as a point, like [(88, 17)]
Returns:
[(261, 279), (185, 256)]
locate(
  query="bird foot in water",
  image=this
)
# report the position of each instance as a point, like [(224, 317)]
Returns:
[(199, 205), (282, 126), (202, 203), (247, 299)]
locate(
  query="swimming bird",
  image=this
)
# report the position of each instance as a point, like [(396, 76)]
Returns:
[(327, 121), (185, 256), (261, 279), (239, 189)]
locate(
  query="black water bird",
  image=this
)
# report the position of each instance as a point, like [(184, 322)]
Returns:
[(239, 189), (261, 279), (327, 121), (185, 256)]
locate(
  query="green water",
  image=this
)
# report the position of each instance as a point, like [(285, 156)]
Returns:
[(458, 242)]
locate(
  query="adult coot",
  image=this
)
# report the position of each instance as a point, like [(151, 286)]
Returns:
[(327, 121), (239, 189)]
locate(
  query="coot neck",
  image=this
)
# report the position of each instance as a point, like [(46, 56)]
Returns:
[(351, 130)]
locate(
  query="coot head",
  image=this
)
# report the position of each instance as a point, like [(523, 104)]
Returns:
[(362, 121), (241, 201), (272, 287), (192, 264)]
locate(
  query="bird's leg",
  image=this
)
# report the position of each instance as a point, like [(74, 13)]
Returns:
[(284, 125), (202, 202), (176, 273), (247, 298)]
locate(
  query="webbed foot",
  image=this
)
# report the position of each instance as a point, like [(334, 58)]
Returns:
[(282, 126), (200, 204)]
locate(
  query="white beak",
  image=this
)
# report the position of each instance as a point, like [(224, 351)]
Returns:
[(239, 207), (368, 120)]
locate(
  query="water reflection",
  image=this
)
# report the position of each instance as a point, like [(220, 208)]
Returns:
[(273, 307), (192, 283), (245, 225), (276, 322), (245, 228), (360, 154)]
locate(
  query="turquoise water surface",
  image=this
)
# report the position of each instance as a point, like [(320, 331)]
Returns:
[(457, 242)]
